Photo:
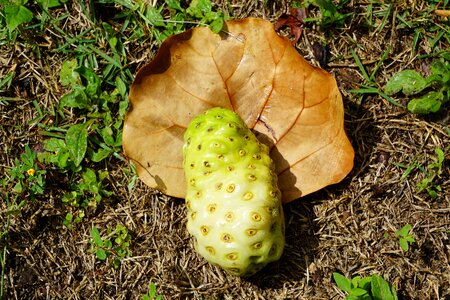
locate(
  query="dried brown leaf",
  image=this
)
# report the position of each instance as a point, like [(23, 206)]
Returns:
[(293, 107)]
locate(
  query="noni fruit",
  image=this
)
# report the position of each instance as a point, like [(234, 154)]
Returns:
[(233, 202)]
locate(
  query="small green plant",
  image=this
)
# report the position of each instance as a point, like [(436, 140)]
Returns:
[(432, 173), (367, 288), (97, 137), (405, 237), (199, 12), (330, 15), (434, 89), (17, 13), (151, 295), (28, 177), (116, 244)]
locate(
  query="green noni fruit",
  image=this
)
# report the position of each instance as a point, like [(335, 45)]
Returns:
[(233, 202)]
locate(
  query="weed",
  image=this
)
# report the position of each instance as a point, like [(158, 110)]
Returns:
[(437, 87), (116, 244), (405, 237), (367, 288), (199, 12), (431, 172), (151, 295), (330, 15), (26, 175)]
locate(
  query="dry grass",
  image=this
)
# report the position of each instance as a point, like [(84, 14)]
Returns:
[(341, 228)]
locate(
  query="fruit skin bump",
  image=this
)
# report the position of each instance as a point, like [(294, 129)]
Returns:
[(233, 202)]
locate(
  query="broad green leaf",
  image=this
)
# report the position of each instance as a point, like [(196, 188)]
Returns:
[(93, 81), (76, 141), (408, 81), (49, 3), (440, 155), (152, 290), (174, 4), (342, 282), (217, 24), (16, 15), (75, 99), (154, 16), (365, 283), (89, 176), (404, 231), (409, 239), (430, 103), (68, 75), (404, 244), (198, 8), (18, 188), (54, 145), (95, 234), (354, 282), (358, 292), (121, 87), (107, 134), (381, 290), (108, 244), (101, 254), (439, 68), (101, 154)]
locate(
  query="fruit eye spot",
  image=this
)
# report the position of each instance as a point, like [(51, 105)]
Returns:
[(229, 216), (232, 256), (227, 238), (231, 139), (251, 177), (210, 250), (248, 196), (204, 230), (188, 204), (207, 173), (273, 193), (198, 194), (198, 125), (216, 145), (242, 152), (256, 217), (257, 245), (188, 141), (210, 129), (231, 125), (206, 164), (247, 137), (230, 188), (220, 156), (219, 117), (251, 166), (257, 156), (192, 182), (268, 209), (212, 208), (192, 165), (199, 147), (230, 168), (193, 215), (219, 186), (251, 232)]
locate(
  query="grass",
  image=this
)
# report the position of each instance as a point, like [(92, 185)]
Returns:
[(71, 201)]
